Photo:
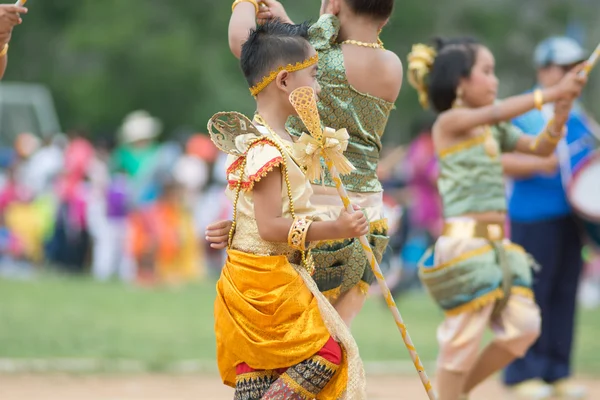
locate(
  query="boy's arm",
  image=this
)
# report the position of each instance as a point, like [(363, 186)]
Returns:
[(243, 19), (272, 226)]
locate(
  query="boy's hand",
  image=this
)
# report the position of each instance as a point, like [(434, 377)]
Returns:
[(270, 9), (217, 234), (352, 225)]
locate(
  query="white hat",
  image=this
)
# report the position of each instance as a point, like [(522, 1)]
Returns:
[(140, 125), (558, 50)]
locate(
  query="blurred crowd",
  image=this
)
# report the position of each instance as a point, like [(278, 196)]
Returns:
[(130, 207), (125, 206)]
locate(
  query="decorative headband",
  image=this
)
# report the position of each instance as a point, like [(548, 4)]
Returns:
[(266, 81)]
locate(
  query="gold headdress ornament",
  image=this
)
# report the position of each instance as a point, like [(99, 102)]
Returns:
[(420, 61), (327, 143), (259, 87)]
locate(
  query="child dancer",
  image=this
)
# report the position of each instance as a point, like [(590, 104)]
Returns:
[(477, 276), (360, 81), (275, 331)]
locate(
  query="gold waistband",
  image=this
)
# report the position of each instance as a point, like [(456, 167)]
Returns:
[(473, 229)]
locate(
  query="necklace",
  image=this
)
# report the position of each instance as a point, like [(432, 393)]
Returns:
[(279, 140), (489, 144), (378, 45)]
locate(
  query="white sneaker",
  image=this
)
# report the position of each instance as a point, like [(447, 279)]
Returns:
[(566, 389), (589, 294), (532, 390)]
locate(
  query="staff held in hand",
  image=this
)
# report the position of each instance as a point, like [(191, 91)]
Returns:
[(330, 144)]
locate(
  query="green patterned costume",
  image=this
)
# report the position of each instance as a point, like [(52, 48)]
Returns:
[(342, 265), (464, 274)]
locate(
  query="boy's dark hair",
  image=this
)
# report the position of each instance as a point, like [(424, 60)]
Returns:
[(380, 9), (270, 45), (455, 60)]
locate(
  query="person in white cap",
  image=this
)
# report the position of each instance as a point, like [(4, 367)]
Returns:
[(544, 224), (138, 154), (9, 18)]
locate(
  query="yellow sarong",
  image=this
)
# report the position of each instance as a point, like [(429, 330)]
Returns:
[(266, 316)]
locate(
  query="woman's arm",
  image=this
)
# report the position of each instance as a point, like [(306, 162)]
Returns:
[(273, 227), (243, 19)]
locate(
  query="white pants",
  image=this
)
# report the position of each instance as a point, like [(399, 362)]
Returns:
[(110, 255)]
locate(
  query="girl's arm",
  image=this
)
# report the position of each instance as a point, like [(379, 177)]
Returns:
[(545, 142), (273, 227), (273, 9), (459, 121), (522, 166), (243, 19)]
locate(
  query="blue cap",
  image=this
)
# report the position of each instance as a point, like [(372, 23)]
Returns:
[(558, 50)]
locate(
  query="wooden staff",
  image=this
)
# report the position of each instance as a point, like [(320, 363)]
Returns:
[(303, 100)]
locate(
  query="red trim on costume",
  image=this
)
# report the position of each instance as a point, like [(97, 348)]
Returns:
[(235, 165), (261, 173), (332, 352)]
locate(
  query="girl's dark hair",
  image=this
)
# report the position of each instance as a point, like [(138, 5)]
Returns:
[(379, 9), (455, 59)]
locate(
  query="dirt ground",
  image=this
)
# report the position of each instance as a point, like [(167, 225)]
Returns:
[(193, 387)]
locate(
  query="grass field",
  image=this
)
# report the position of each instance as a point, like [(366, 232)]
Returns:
[(76, 318)]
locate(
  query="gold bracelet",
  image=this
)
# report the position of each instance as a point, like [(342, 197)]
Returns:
[(554, 139), (547, 136), (535, 144), (538, 98), (254, 3), (551, 138), (298, 232), (4, 50)]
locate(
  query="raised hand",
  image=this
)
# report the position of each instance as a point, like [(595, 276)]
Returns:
[(271, 9)]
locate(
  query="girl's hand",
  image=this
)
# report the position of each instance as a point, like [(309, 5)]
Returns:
[(270, 9), (572, 83)]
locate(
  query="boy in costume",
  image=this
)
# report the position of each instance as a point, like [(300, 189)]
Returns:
[(277, 335), (360, 81)]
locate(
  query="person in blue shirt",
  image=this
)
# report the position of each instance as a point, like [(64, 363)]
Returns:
[(543, 222)]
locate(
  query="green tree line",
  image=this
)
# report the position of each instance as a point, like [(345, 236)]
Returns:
[(103, 59)]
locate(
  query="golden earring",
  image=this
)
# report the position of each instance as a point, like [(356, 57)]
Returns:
[(458, 102)]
